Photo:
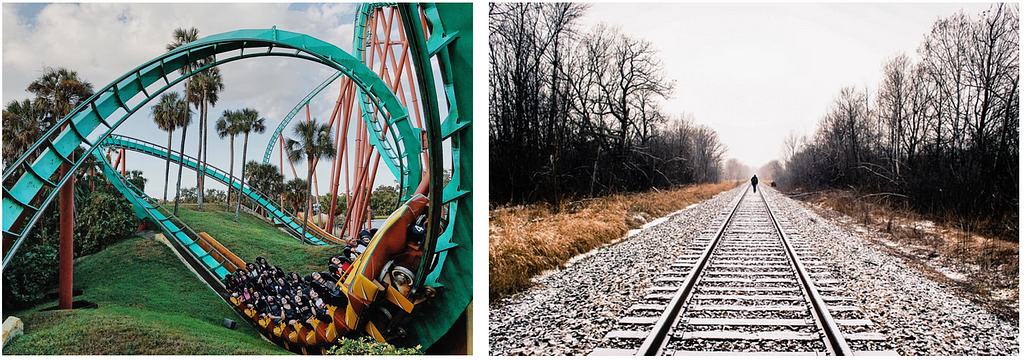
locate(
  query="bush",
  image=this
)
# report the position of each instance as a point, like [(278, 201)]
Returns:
[(29, 275), (368, 346), (104, 219)]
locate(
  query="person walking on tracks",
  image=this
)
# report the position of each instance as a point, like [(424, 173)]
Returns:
[(753, 182)]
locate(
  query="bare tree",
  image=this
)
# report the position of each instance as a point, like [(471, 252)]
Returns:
[(944, 133)]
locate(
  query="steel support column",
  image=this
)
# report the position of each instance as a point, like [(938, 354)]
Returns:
[(66, 254)]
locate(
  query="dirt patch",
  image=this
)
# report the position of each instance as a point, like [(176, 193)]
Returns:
[(984, 270)]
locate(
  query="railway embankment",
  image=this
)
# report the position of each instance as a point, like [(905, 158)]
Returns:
[(571, 311), (526, 241)]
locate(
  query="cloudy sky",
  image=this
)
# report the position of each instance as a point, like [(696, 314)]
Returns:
[(103, 41), (757, 72), (754, 72)]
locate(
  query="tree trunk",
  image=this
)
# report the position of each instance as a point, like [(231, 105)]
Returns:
[(199, 155), (231, 175), (206, 142), (309, 195), (167, 168), (206, 148), (177, 188), (241, 185)]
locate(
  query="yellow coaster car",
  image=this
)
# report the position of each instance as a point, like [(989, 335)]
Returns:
[(379, 283), (377, 287)]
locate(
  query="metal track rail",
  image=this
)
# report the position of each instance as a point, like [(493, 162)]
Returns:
[(748, 287), (835, 340), (655, 342)]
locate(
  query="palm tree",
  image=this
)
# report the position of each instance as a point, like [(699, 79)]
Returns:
[(295, 194), (227, 126), (206, 87), (314, 142), (249, 120), (183, 117), (21, 128), (165, 115), (58, 91), (135, 177), (265, 178), (181, 37)]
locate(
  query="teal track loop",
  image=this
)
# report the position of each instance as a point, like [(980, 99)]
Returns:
[(291, 114), (30, 182), (184, 237), (450, 43), (96, 118), (274, 211)]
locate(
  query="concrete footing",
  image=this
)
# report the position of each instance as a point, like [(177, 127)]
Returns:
[(13, 327)]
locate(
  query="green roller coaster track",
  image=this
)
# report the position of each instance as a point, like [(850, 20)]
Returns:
[(291, 114), (450, 247), (273, 210), (184, 237), (129, 93), (451, 41), (453, 246)]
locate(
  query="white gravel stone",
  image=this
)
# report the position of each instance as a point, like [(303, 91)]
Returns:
[(568, 312), (920, 316)]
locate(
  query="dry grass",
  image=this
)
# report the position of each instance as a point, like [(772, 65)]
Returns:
[(991, 265), (527, 240)]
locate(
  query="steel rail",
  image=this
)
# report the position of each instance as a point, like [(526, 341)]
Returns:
[(834, 338), (154, 209), (117, 101), (657, 338), (295, 110), (117, 141)]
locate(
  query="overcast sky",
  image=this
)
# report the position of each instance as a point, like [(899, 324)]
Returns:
[(753, 72), (103, 41), (756, 72)]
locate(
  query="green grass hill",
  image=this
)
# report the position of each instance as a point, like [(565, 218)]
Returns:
[(151, 303)]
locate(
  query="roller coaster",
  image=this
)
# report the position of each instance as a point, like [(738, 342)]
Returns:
[(415, 277)]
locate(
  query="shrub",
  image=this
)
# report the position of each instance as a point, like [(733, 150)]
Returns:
[(29, 275), (103, 220), (368, 346)]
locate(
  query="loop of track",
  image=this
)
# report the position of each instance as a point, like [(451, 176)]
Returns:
[(748, 284)]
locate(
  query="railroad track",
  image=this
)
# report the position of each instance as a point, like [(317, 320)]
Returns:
[(748, 284)]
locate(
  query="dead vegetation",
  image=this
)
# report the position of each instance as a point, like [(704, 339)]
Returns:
[(527, 240), (953, 250)]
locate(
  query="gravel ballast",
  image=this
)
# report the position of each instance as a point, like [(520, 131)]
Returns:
[(920, 316), (568, 312)]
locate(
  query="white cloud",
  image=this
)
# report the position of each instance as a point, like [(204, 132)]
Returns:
[(103, 41)]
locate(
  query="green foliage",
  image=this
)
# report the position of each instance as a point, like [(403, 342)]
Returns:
[(103, 220), (295, 194), (150, 303), (214, 195), (339, 206), (384, 200), (29, 275), (188, 195), (265, 178), (368, 346), (22, 125), (135, 177)]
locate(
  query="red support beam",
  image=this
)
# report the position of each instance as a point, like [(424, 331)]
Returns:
[(66, 253)]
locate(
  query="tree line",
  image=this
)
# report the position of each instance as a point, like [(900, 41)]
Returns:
[(940, 134), (577, 112)]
